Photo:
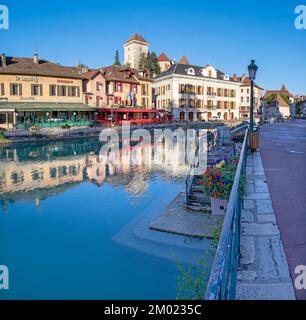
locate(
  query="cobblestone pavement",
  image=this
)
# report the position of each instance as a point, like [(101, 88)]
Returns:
[(284, 159), (264, 272)]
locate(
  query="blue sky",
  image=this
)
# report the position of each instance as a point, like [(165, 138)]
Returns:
[(226, 34)]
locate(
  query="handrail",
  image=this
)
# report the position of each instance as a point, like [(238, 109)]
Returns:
[(223, 277), (239, 129)]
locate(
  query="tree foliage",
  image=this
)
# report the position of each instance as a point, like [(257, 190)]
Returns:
[(117, 59), (149, 62), (270, 98), (285, 98)]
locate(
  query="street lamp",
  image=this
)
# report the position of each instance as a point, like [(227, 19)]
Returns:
[(252, 75)]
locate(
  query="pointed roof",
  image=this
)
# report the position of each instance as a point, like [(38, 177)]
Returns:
[(137, 37), (163, 57), (284, 89), (184, 60)]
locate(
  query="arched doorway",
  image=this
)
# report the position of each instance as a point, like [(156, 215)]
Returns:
[(199, 116), (225, 117), (232, 115), (182, 116), (219, 114), (208, 115), (190, 116)]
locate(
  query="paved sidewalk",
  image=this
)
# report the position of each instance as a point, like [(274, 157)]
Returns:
[(284, 157), (264, 272)]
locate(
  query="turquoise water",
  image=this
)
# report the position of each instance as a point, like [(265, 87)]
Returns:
[(73, 226)]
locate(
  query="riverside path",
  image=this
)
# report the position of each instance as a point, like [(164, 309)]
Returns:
[(283, 153)]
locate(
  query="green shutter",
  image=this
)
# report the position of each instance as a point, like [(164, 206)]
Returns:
[(41, 90), (20, 89)]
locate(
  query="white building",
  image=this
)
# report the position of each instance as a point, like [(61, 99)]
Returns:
[(197, 93), (245, 96), (133, 50)]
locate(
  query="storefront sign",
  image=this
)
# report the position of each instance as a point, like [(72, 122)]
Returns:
[(27, 98), (65, 81), (29, 79)]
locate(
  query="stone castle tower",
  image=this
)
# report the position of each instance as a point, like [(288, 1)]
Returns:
[(133, 50)]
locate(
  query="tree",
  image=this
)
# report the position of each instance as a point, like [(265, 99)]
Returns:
[(127, 64), (154, 65), (270, 98), (143, 62), (149, 62), (117, 59), (82, 66)]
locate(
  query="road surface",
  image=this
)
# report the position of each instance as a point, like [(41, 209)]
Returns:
[(283, 152)]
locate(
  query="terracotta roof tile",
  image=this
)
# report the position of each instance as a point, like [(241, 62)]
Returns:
[(137, 37), (163, 57), (27, 66), (184, 60)]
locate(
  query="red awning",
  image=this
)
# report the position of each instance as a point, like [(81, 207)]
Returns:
[(122, 110)]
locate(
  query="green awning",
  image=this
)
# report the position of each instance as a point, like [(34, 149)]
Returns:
[(44, 106)]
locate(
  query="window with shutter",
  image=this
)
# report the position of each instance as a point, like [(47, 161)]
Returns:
[(2, 93), (69, 91), (15, 89)]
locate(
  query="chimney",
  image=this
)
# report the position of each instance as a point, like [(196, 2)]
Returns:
[(3, 60), (36, 60)]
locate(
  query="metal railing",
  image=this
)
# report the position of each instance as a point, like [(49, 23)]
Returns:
[(223, 277)]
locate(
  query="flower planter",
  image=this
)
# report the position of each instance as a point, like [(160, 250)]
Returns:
[(218, 206)]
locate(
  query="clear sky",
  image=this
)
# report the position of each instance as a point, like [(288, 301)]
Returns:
[(224, 33)]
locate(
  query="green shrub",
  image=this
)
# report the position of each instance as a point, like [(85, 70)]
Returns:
[(2, 137)]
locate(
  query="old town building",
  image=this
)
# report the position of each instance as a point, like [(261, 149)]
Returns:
[(196, 93), (41, 93), (164, 62), (245, 96), (117, 86), (133, 50)]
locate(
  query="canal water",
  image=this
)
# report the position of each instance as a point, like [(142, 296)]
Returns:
[(74, 225)]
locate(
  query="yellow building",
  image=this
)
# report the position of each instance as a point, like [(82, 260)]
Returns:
[(41, 93)]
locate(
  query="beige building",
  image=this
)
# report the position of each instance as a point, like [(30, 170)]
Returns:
[(117, 86), (245, 96), (164, 62), (133, 50), (38, 92)]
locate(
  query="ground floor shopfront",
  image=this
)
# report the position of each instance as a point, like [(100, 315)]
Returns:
[(26, 115), (192, 114)]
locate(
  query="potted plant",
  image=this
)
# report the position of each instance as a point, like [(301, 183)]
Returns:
[(217, 183)]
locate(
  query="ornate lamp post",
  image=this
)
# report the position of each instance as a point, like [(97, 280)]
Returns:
[(252, 75)]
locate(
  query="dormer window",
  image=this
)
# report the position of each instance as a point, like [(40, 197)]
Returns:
[(226, 77), (190, 71)]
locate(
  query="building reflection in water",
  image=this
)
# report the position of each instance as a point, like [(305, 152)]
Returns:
[(36, 172)]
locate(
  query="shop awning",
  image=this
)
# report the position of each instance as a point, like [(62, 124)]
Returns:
[(44, 106)]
